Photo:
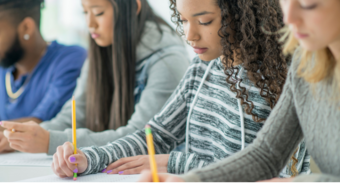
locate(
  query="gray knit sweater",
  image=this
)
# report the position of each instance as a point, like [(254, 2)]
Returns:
[(214, 128), (163, 76), (300, 112)]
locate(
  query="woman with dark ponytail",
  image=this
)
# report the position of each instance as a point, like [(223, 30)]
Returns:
[(135, 62)]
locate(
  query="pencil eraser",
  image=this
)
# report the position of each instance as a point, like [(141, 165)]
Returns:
[(74, 179)]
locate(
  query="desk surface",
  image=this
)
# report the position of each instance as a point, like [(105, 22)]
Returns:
[(18, 173)]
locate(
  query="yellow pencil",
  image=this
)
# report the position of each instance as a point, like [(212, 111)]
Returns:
[(151, 150), (74, 127)]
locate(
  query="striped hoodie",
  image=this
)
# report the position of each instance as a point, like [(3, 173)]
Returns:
[(214, 129)]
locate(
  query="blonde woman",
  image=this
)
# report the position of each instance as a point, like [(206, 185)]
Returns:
[(309, 106)]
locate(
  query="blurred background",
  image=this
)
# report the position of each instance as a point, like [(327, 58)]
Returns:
[(64, 21)]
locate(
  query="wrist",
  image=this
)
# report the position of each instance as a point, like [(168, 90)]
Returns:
[(47, 141)]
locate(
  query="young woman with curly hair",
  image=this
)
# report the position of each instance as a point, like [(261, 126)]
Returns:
[(309, 106), (220, 104)]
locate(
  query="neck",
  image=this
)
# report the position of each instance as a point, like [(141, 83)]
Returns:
[(34, 51), (335, 49)]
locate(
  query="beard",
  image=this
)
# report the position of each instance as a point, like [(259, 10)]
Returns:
[(13, 55)]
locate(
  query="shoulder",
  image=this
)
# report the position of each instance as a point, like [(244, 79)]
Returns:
[(295, 63), (66, 56), (294, 80), (63, 51)]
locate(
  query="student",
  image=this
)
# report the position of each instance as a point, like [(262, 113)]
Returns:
[(135, 62), (216, 100), (36, 77), (308, 107)]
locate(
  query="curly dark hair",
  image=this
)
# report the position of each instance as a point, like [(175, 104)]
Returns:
[(249, 23)]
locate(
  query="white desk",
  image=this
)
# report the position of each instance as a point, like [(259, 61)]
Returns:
[(18, 173)]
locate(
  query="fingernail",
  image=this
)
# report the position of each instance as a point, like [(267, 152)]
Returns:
[(72, 159), (109, 171), (75, 170), (121, 172), (103, 170)]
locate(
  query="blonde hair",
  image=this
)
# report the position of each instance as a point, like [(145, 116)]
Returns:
[(314, 66)]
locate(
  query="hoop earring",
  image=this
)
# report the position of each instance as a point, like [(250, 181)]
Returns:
[(26, 36)]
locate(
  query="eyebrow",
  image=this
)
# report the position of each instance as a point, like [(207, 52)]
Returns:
[(202, 13), (199, 14), (96, 6)]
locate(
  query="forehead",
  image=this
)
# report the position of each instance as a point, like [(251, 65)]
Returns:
[(190, 7), (95, 3)]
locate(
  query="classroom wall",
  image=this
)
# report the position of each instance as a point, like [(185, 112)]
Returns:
[(63, 20)]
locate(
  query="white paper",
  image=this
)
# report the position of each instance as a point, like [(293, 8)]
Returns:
[(25, 159), (100, 177)]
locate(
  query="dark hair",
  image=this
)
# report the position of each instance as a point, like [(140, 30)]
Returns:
[(111, 80), (251, 21), (18, 10), (260, 53)]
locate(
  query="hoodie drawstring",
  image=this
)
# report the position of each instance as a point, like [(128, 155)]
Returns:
[(193, 104), (241, 113), (195, 100)]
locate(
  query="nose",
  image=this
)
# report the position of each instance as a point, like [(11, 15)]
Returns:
[(191, 32), (91, 23), (291, 13)]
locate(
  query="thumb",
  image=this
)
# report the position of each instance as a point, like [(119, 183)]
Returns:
[(3, 144), (6, 133), (79, 159)]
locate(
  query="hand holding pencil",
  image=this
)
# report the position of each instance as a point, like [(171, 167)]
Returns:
[(64, 161)]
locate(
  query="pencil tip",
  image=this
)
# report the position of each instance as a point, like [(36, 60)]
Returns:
[(74, 179)]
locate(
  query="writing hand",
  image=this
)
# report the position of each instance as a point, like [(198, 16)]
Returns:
[(136, 164), (4, 144), (27, 137), (64, 161)]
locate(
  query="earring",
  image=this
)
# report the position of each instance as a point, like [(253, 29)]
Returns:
[(26, 36)]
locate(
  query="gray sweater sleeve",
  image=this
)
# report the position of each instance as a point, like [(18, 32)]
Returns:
[(268, 154), (163, 77)]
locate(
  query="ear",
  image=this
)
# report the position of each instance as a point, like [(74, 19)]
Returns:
[(26, 29), (139, 6)]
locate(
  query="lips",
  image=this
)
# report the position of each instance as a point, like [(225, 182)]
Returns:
[(199, 50), (94, 35), (300, 35)]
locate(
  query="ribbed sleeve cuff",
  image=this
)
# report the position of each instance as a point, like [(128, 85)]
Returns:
[(176, 161), (88, 169), (57, 138), (190, 177)]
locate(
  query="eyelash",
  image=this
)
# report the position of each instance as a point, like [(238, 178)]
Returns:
[(100, 14), (309, 7), (205, 24)]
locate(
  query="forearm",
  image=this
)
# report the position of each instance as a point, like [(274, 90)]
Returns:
[(180, 162), (131, 145), (27, 119), (86, 137)]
